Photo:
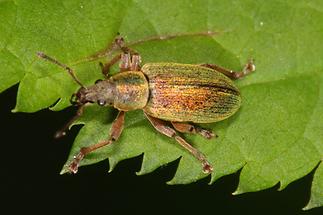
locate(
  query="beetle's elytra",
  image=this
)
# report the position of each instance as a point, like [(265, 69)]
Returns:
[(178, 93), (189, 93)]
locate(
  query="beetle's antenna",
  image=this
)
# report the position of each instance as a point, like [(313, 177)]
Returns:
[(69, 70), (112, 47)]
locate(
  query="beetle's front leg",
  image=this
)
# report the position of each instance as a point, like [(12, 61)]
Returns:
[(129, 58), (62, 132), (193, 129), (162, 127), (105, 68), (118, 43), (247, 69), (130, 62), (115, 132)]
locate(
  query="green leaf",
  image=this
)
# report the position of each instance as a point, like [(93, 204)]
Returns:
[(276, 137)]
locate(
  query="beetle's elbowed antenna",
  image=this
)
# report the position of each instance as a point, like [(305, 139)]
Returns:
[(69, 70), (115, 47), (62, 132)]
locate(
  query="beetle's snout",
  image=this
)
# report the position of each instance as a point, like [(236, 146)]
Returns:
[(79, 98)]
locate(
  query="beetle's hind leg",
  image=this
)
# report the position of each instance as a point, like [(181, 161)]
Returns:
[(193, 129), (163, 128), (247, 69)]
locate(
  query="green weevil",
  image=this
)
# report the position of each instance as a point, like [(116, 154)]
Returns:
[(166, 92)]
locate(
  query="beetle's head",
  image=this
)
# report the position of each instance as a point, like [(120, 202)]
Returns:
[(79, 98), (102, 92)]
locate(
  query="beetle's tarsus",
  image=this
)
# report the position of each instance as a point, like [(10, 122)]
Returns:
[(249, 67), (184, 127), (41, 54), (207, 168), (73, 166), (62, 132), (59, 134), (205, 133)]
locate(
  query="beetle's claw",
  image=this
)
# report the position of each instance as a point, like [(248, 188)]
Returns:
[(207, 168), (206, 133), (59, 134), (73, 166), (249, 67)]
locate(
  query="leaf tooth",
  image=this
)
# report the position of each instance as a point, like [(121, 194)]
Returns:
[(112, 163), (190, 170), (64, 170)]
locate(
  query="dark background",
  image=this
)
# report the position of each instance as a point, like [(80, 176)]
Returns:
[(31, 160)]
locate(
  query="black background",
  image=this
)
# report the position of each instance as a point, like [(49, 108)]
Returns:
[(30, 182)]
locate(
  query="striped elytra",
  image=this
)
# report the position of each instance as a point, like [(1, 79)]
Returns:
[(189, 93)]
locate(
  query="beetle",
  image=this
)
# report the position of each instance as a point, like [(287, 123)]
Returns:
[(181, 94)]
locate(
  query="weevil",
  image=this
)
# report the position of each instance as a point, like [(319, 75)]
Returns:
[(168, 93)]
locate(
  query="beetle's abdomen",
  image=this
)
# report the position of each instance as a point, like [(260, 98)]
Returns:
[(189, 93)]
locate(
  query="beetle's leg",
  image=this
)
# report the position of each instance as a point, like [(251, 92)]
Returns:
[(126, 57), (62, 132), (120, 44), (193, 129), (105, 68), (248, 68), (163, 128), (128, 62), (135, 62), (125, 62), (115, 132)]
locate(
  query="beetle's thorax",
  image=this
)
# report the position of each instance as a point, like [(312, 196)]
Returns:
[(131, 90), (125, 91)]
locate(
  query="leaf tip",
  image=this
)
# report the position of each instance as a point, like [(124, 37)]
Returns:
[(64, 170), (144, 170), (112, 165), (237, 192), (140, 173), (171, 182), (307, 207), (311, 204), (15, 110)]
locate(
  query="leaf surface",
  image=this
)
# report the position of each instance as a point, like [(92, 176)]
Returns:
[(276, 137)]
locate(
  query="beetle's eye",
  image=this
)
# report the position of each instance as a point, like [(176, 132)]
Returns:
[(101, 102)]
